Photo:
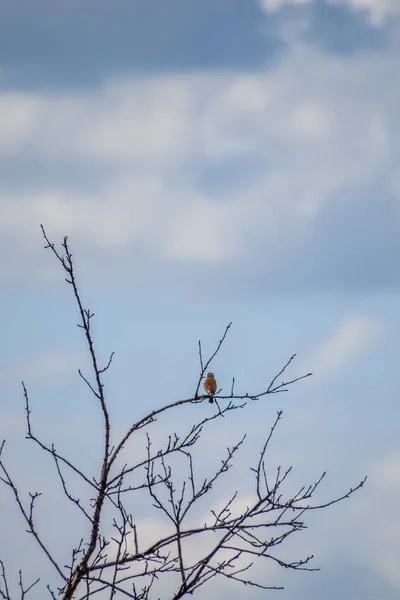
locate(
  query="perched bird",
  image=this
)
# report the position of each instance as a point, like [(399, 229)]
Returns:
[(210, 385)]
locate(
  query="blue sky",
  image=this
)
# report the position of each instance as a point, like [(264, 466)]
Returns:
[(211, 161)]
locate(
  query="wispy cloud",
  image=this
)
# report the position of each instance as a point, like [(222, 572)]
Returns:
[(353, 336), (147, 138), (375, 539), (270, 5), (54, 364), (377, 10)]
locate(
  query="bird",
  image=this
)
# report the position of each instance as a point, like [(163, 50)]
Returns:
[(210, 386)]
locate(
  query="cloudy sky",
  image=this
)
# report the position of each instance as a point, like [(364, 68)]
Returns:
[(211, 161)]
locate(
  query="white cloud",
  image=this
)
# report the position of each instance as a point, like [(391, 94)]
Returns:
[(314, 124), (371, 518), (378, 10), (18, 114), (351, 338), (56, 363), (386, 535), (270, 5)]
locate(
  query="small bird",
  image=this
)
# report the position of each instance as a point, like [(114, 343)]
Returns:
[(210, 385)]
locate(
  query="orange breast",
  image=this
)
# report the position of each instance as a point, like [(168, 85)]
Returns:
[(210, 385)]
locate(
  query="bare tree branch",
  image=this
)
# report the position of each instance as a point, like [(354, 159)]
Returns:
[(111, 557)]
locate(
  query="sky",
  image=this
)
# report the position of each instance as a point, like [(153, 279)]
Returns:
[(210, 161)]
